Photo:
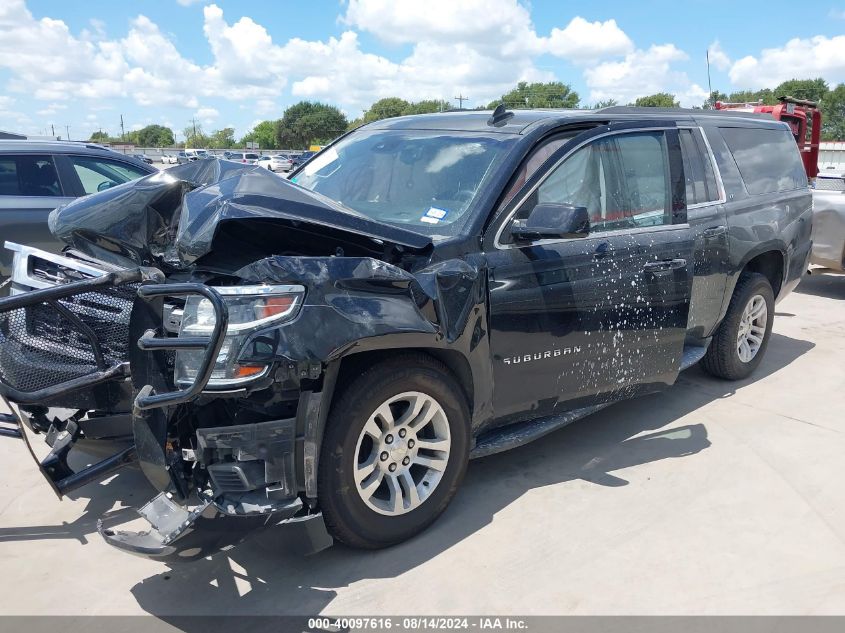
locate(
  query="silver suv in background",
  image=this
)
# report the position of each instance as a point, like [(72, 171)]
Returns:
[(248, 158), (38, 176)]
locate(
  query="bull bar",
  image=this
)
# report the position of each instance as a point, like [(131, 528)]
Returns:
[(54, 467)]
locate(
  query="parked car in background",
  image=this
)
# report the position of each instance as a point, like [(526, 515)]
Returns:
[(143, 158), (436, 288), (38, 176), (168, 159), (829, 220), (250, 158), (300, 159), (276, 162), (187, 155)]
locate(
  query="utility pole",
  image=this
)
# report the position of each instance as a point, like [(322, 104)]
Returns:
[(67, 129), (461, 98), (53, 130), (709, 85), (122, 130)]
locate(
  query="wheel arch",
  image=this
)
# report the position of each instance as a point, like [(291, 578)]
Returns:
[(354, 364), (770, 260), (772, 265)]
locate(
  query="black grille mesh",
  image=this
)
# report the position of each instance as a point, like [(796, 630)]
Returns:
[(40, 347)]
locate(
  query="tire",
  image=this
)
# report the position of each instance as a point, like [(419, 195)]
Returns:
[(724, 357), (377, 521)]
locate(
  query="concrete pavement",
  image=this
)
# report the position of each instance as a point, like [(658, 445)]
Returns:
[(711, 498)]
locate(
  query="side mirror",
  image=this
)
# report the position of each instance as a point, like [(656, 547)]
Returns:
[(106, 184), (552, 220)]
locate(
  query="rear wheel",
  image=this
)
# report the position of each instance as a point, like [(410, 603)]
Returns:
[(395, 450), (741, 340)]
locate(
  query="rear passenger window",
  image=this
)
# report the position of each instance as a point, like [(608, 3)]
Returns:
[(698, 169), (28, 176), (768, 159)]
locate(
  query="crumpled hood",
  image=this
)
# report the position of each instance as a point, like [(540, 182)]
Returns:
[(174, 216)]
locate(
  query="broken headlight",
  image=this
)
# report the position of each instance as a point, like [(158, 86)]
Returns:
[(251, 308)]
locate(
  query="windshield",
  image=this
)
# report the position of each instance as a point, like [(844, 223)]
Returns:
[(424, 180)]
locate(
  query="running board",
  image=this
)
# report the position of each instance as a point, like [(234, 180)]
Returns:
[(508, 437)]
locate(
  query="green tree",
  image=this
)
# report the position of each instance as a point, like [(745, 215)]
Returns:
[(264, 134), (539, 95), (394, 106), (155, 136), (386, 108), (811, 89), (195, 137), (100, 137), (659, 100), (222, 139), (427, 106), (752, 96), (714, 97), (307, 122), (605, 103), (833, 115)]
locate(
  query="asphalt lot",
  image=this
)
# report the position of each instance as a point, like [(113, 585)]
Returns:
[(711, 498)]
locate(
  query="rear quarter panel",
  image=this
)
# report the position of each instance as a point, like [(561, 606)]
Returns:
[(780, 222)]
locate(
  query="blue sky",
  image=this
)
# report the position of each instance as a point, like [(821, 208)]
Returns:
[(229, 63)]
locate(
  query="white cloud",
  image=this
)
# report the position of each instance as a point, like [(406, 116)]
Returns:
[(264, 106), (51, 109), (485, 23), (187, 3), (817, 56), (441, 48), (583, 40), (641, 73), (479, 46), (837, 14), (207, 113), (718, 57)]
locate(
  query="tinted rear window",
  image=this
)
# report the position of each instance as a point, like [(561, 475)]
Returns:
[(767, 159)]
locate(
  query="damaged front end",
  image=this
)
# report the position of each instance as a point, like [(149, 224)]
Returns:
[(67, 346), (197, 317)]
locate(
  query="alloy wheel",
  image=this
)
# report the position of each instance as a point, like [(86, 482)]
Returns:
[(752, 328), (402, 453)]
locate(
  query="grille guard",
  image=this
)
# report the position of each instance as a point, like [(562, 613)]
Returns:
[(151, 287)]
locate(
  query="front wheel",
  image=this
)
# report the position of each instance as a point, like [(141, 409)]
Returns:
[(740, 341), (395, 450)]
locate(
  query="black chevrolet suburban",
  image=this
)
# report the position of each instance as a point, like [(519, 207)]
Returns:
[(326, 354)]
